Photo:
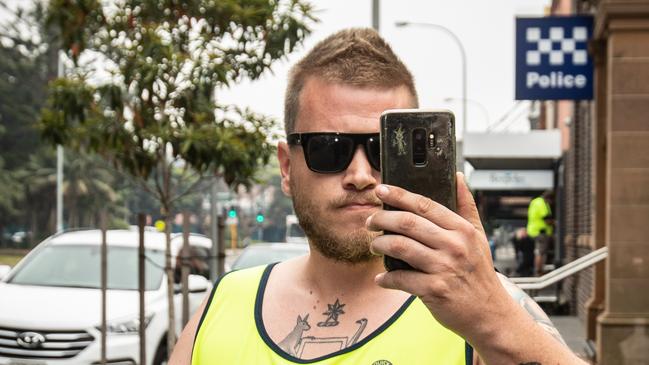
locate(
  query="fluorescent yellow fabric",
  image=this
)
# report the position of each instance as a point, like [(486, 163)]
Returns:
[(229, 334), (536, 213)]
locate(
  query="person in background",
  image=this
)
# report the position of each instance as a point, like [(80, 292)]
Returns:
[(524, 246), (540, 228)]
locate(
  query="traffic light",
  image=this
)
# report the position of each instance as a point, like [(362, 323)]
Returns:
[(260, 217), (232, 213)]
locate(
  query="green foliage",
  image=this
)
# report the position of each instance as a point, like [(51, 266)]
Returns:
[(28, 58), (22, 92), (10, 192), (165, 60), (23, 73)]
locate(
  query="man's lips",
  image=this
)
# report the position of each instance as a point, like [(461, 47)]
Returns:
[(360, 205)]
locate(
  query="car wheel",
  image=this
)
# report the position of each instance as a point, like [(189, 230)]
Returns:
[(160, 357)]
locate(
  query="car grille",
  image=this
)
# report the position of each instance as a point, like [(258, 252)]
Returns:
[(19, 343)]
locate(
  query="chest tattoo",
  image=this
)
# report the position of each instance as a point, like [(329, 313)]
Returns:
[(298, 343)]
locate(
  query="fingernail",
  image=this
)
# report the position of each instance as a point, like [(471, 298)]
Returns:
[(368, 221), (379, 277), (382, 190)]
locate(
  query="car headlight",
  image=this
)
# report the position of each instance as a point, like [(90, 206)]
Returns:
[(130, 326)]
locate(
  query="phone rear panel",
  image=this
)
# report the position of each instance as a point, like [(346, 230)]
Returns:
[(436, 177), (427, 169)]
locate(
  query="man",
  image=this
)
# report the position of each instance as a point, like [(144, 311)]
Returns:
[(540, 228), (524, 246), (337, 305)]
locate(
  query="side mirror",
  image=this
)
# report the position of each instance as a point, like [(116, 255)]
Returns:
[(197, 284), (4, 270)]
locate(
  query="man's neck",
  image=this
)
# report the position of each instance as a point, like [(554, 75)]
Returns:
[(329, 276)]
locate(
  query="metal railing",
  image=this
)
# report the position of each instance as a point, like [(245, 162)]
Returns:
[(537, 283)]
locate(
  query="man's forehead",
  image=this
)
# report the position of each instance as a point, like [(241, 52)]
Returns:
[(315, 86), (327, 103)]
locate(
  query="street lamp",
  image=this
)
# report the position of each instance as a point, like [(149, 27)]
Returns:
[(482, 108), (463, 54)]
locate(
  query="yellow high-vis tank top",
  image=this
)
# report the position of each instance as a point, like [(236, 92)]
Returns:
[(231, 332)]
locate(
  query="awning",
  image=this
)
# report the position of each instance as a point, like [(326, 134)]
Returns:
[(534, 150)]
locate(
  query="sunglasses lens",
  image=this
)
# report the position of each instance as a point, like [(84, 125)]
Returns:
[(373, 150), (329, 153)]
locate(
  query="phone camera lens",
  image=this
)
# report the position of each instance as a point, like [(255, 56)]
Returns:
[(419, 146)]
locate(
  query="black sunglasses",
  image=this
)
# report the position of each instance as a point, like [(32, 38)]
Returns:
[(330, 152)]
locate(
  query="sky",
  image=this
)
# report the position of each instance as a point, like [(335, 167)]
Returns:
[(485, 28)]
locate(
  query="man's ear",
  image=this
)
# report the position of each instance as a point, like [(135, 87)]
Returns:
[(284, 157)]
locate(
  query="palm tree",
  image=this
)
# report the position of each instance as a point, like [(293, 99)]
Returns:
[(87, 189), (38, 178)]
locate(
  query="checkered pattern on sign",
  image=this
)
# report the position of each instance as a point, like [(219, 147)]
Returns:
[(559, 46)]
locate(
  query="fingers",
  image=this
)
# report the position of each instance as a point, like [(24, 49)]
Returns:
[(413, 282), (408, 224), (418, 204), (466, 207), (417, 255)]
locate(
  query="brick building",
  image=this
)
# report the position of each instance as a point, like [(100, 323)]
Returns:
[(604, 178)]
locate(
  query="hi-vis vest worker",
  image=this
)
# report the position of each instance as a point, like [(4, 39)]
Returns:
[(537, 212), (231, 332)]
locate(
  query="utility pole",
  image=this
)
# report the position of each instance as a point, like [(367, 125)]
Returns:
[(375, 15), (214, 232), (59, 163)]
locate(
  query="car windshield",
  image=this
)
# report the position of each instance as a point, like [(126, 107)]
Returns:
[(254, 256), (79, 266)]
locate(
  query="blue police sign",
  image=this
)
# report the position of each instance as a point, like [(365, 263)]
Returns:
[(552, 60)]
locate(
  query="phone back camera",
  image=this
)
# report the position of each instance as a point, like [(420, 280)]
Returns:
[(419, 146)]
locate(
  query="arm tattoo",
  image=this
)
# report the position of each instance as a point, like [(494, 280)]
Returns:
[(298, 345), (532, 309)]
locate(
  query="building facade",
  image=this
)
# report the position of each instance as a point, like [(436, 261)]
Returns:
[(605, 181)]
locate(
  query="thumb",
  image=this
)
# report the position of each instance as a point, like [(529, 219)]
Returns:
[(466, 207)]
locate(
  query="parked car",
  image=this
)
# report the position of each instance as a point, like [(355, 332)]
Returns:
[(265, 253), (294, 232), (50, 302)]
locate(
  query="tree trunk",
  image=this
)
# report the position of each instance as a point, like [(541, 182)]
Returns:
[(171, 332), (184, 273)]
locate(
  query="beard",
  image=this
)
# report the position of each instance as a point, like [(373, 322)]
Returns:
[(349, 246)]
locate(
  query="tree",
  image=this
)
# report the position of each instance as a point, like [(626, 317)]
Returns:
[(153, 107), (23, 78), (10, 195), (88, 188)]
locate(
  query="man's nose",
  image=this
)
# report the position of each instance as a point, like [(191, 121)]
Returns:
[(359, 174)]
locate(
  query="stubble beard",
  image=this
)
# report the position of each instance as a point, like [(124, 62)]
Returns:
[(351, 247)]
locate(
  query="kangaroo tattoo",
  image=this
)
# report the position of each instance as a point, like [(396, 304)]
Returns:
[(292, 342)]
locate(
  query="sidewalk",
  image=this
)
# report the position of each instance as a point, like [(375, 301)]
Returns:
[(572, 331), (570, 327)]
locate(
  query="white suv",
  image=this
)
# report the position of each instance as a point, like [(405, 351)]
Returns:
[(50, 302)]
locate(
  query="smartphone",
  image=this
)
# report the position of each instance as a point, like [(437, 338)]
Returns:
[(418, 154)]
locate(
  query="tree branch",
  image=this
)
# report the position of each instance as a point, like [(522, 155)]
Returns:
[(188, 190)]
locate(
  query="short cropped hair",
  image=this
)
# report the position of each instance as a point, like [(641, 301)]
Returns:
[(356, 57)]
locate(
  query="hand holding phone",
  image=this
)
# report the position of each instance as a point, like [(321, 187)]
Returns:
[(418, 154)]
